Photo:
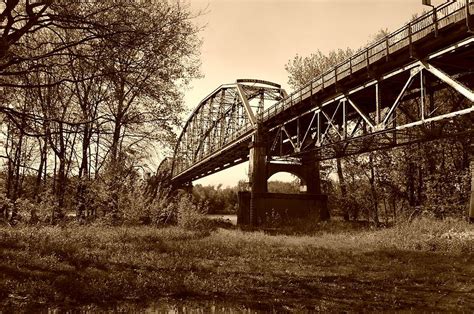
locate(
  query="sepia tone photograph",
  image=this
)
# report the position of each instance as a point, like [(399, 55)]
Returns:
[(236, 156)]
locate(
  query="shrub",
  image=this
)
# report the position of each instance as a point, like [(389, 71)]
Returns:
[(188, 214), (6, 206), (26, 211)]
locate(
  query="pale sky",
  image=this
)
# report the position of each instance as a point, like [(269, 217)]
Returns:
[(256, 38)]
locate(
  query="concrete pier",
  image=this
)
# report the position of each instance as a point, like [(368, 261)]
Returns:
[(258, 206)]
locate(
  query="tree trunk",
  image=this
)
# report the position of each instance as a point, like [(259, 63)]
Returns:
[(114, 149), (342, 186), (42, 165), (61, 184), (96, 163), (83, 172), (375, 213)]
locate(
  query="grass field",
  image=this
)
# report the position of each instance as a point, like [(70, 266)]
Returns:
[(423, 265)]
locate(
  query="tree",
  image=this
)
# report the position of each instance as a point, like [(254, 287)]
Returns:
[(145, 77), (303, 70), (90, 77), (25, 22)]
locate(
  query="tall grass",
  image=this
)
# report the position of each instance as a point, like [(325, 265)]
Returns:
[(97, 264)]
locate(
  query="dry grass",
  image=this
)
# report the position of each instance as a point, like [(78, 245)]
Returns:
[(425, 264)]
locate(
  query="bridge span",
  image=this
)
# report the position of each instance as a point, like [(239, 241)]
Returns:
[(386, 95)]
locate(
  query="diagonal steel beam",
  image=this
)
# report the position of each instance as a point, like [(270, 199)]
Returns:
[(247, 107), (330, 124), (437, 118), (309, 128), (458, 86), (330, 120), (361, 114), (275, 141), (289, 137), (413, 73)]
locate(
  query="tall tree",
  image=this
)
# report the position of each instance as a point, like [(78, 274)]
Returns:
[(108, 73)]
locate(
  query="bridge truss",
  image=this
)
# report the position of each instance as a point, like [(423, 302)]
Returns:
[(221, 126), (425, 100), (413, 85)]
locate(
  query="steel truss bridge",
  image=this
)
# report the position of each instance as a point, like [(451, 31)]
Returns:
[(392, 93)]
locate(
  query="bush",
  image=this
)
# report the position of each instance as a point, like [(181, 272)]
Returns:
[(188, 214), (24, 210)]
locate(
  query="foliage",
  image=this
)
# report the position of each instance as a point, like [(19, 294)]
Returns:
[(301, 70), (284, 187), (216, 198), (86, 89), (189, 215)]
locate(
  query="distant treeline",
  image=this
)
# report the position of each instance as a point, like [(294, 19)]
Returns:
[(218, 200)]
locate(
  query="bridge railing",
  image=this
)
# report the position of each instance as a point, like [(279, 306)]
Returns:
[(427, 23), (183, 165)]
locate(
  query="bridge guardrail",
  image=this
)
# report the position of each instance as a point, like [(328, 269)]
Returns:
[(427, 23)]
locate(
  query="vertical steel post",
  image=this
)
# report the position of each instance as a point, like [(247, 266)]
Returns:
[(350, 65), (422, 90), (471, 169), (281, 143), (367, 58), (318, 126), (298, 130), (377, 103), (410, 40), (344, 119), (261, 103), (468, 17)]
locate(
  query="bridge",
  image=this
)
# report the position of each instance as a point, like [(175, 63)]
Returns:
[(384, 96)]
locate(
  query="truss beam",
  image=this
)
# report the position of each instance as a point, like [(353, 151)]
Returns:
[(376, 98), (368, 113)]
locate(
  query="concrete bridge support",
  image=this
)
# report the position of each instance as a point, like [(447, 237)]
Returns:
[(311, 204), (257, 171)]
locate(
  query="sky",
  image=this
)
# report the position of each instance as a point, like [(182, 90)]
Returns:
[(256, 38)]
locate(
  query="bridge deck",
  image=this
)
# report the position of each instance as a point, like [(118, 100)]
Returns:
[(398, 52), (415, 40)]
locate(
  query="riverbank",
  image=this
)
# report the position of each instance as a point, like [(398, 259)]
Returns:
[(423, 265)]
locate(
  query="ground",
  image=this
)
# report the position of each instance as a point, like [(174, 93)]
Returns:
[(423, 265)]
